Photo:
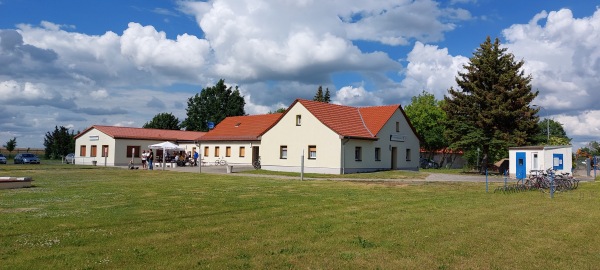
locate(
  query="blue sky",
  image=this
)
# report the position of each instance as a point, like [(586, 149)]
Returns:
[(79, 63)]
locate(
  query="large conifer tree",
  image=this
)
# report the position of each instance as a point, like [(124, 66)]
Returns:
[(491, 111)]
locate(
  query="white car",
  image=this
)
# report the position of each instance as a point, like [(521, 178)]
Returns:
[(70, 158), (2, 159)]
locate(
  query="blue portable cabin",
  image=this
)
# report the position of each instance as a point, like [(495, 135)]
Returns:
[(526, 158)]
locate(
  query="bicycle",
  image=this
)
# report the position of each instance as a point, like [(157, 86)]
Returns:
[(256, 164), (220, 162)]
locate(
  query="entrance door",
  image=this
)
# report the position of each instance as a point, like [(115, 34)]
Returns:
[(394, 158), (255, 154), (536, 164), (520, 167), (557, 161)]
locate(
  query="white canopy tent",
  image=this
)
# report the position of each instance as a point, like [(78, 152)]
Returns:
[(165, 146)]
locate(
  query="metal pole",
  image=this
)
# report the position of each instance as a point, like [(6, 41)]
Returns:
[(486, 180), (302, 166), (552, 184)]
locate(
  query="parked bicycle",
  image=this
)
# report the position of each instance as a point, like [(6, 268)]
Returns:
[(220, 162), (543, 181)]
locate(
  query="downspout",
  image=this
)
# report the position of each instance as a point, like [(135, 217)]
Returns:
[(344, 155)]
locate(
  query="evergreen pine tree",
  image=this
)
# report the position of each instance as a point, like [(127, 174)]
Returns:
[(491, 111)]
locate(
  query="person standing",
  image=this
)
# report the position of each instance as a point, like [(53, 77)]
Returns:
[(150, 159), (144, 155), (195, 158)]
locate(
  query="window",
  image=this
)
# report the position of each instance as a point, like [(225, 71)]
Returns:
[(242, 151), (407, 154), (104, 151), (206, 151), (228, 151), (82, 151), (93, 150), (397, 126), (283, 152), (135, 150), (216, 151), (312, 152), (377, 154), (358, 153), (298, 120)]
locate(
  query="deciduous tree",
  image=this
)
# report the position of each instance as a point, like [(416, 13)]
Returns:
[(10, 145), (164, 121), (213, 104), (429, 120)]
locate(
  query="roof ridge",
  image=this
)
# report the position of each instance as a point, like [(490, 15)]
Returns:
[(363, 122)]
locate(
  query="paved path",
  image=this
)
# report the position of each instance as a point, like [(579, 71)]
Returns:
[(238, 170)]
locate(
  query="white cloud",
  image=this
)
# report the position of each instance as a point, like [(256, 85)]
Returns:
[(562, 53), (431, 69), (356, 96)]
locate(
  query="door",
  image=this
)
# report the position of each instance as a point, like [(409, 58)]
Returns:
[(536, 165), (557, 162), (394, 158), (520, 167), (255, 154)]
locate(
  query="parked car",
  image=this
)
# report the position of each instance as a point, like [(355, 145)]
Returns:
[(2, 159), (426, 163), (26, 158), (70, 158)]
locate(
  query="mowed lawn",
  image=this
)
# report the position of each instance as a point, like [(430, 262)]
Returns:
[(104, 218)]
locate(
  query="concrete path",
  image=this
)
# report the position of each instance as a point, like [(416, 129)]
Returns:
[(238, 170)]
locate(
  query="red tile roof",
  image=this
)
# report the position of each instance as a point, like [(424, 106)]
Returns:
[(353, 122), (146, 133), (242, 128)]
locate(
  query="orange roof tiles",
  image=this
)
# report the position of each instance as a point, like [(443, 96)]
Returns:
[(146, 133), (242, 128), (348, 121)]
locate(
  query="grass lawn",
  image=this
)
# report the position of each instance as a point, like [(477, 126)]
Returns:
[(80, 217)]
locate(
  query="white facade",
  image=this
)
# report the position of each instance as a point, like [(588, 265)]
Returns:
[(233, 152), (95, 146), (540, 158), (325, 151)]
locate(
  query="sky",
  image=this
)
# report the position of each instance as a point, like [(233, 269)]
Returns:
[(111, 62)]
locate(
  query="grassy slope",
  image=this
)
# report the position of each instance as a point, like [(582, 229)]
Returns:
[(97, 218)]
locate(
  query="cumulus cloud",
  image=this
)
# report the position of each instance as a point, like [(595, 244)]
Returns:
[(31, 94), (563, 56), (432, 69), (356, 96), (562, 53)]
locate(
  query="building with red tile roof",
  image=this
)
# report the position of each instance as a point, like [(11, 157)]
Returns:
[(117, 146), (333, 138), (237, 139)]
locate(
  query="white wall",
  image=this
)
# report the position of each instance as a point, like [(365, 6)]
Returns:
[(234, 158), (336, 155), (545, 158), (298, 139)]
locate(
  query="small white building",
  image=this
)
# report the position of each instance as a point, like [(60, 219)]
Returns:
[(522, 160), (116, 146), (338, 139)]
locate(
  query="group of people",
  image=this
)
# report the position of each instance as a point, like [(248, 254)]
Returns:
[(181, 159), (147, 160)]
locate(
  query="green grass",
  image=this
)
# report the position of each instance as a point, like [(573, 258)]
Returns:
[(103, 218)]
